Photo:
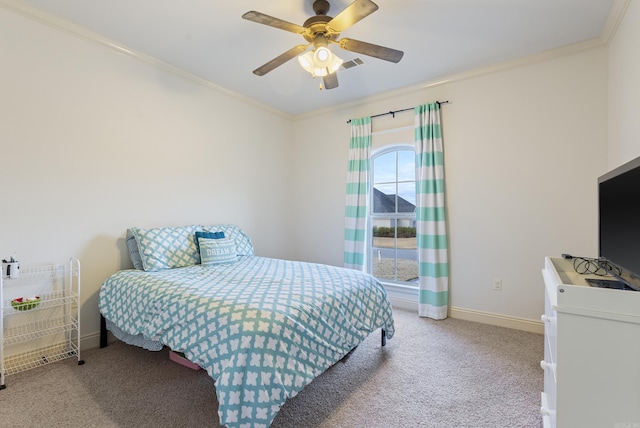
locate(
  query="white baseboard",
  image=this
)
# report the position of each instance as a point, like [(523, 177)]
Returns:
[(476, 316), (90, 341), (497, 320)]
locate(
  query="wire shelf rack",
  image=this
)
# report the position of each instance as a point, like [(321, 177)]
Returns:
[(40, 357), (45, 332), (39, 329), (47, 300), (35, 273)]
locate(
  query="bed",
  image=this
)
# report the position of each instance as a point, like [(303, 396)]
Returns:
[(262, 328)]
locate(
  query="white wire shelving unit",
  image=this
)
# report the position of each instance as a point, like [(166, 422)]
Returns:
[(48, 331)]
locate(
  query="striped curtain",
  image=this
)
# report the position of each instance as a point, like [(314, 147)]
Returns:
[(430, 213), (357, 205)]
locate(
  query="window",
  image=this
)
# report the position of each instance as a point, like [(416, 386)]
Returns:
[(393, 244)]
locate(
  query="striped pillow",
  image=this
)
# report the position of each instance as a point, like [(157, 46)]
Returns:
[(207, 235), (244, 246), (216, 251)]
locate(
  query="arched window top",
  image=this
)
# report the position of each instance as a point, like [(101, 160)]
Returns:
[(393, 179), (392, 148)]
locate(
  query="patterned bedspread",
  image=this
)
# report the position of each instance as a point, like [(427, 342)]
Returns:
[(262, 328)]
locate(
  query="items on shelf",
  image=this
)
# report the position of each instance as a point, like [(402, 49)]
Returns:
[(11, 268)]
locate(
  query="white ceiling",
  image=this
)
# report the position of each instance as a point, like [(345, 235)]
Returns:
[(440, 38)]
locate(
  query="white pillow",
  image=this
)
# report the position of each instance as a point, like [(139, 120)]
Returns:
[(167, 247)]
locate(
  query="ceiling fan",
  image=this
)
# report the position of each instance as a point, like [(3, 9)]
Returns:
[(319, 31)]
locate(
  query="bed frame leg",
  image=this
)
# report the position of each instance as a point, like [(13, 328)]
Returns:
[(103, 332), (384, 337)]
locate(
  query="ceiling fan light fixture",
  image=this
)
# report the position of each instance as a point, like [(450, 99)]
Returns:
[(322, 55), (320, 72), (306, 61), (320, 62), (335, 64)]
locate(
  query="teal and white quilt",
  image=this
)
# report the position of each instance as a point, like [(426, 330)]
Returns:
[(262, 328)]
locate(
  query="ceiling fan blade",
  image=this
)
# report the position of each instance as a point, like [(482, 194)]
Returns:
[(330, 80), (280, 59), (353, 13), (261, 18), (370, 49)]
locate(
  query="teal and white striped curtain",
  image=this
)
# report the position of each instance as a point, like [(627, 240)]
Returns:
[(357, 205), (430, 213)]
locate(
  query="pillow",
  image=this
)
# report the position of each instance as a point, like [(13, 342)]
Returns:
[(209, 235), (216, 251), (134, 253), (166, 247), (244, 247)]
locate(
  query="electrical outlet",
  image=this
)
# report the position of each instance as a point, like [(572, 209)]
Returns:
[(497, 285)]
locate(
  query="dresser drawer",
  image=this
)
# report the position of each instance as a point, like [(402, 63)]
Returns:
[(548, 415), (550, 362), (550, 321), (550, 384), (550, 317)]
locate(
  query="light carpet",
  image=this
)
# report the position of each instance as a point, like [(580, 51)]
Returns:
[(444, 374)]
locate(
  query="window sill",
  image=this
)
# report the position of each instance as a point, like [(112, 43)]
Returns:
[(403, 296)]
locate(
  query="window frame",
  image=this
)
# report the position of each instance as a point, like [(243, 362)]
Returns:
[(392, 148)]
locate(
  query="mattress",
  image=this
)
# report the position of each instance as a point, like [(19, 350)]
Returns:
[(262, 328)]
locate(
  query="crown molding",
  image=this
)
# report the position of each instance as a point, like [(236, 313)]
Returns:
[(618, 10), (504, 66), (616, 16), (52, 21)]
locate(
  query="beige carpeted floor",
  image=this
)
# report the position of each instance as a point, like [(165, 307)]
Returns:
[(444, 374)]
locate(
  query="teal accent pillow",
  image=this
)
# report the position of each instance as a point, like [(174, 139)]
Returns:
[(243, 242), (166, 247), (208, 235), (216, 251)]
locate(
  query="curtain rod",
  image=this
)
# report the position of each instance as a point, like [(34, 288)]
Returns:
[(393, 113)]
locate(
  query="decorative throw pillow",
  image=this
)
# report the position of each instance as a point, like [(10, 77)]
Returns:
[(216, 251), (134, 253), (208, 235), (244, 246), (167, 247)]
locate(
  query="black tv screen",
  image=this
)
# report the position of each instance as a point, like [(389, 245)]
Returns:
[(619, 221)]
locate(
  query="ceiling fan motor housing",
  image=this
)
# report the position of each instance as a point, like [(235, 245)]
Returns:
[(321, 7), (317, 25)]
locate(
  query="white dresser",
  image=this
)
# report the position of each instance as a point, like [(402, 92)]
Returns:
[(592, 352)]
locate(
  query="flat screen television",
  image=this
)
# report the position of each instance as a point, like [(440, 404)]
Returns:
[(619, 222)]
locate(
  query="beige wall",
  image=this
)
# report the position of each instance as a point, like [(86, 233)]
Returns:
[(523, 150), (624, 89), (93, 141)]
